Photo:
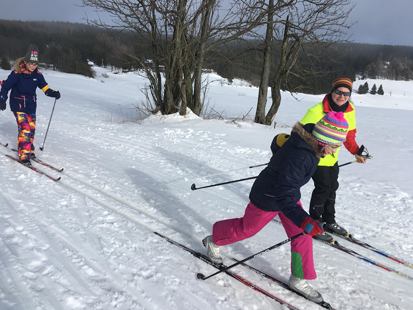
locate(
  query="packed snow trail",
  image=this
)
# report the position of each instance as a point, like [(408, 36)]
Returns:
[(61, 249)]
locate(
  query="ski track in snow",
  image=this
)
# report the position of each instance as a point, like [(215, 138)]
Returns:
[(86, 242)]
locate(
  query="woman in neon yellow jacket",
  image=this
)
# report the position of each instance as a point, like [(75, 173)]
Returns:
[(322, 204)]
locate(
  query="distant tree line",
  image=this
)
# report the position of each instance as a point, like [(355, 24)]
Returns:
[(364, 89), (353, 60), (67, 47)]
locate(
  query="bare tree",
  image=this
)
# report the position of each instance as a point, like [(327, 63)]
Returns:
[(304, 23), (273, 8), (180, 33)]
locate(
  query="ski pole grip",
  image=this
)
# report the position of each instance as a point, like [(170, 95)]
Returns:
[(361, 150)]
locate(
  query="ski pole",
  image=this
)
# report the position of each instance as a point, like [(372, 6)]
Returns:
[(350, 162), (249, 167), (258, 165), (361, 152), (42, 147), (193, 186), (202, 277)]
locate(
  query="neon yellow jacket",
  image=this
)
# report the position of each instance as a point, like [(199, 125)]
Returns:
[(315, 113)]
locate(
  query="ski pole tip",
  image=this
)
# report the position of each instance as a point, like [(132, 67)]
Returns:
[(200, 276), (193, 187)]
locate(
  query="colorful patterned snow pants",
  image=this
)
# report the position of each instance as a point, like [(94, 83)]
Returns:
[(233, 230), (26, 124)]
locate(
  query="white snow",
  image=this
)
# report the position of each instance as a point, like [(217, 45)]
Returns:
[(87, 241)]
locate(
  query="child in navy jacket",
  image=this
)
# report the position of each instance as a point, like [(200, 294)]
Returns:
[(276, 191), (23, 82)]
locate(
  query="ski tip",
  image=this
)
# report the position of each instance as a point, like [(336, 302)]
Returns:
[(193, 187), (200, 276)]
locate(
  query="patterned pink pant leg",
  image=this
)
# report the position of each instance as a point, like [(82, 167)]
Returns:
[(26, 125)]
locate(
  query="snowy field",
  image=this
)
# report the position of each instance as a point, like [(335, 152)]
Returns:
[(86, 242)]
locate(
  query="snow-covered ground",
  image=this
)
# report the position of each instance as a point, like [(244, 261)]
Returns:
[(87, 242)]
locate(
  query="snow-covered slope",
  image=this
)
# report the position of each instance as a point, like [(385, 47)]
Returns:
[(87, 241)]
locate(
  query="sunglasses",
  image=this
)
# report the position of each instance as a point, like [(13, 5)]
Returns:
[(32, 64), (339, 92)]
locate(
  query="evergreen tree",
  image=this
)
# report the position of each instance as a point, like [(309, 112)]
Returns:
[(363, 89), (373, 90), (366, 88), (380, 91), (4, 63)]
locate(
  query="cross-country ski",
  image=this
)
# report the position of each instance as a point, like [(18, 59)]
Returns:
[(87, 241)]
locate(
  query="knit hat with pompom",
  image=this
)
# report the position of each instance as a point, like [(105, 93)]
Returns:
[(332, 128)]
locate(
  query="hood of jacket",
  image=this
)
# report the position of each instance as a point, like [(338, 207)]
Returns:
[(303, 132), (17, 65)]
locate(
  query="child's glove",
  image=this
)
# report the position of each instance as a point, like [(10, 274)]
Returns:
[(312, 227)]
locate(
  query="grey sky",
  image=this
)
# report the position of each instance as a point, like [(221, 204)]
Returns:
[(378, 21)]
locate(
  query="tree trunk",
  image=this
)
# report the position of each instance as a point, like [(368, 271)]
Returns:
[(200, 56), (173, 71), (186, 71), (266, 68), (276, 101), (288, 58), (184, 104)]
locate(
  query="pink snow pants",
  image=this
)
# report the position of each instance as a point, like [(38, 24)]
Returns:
[(233, 230)]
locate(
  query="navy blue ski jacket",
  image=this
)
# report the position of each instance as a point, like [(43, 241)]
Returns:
[(23, 87), (277, 187)]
